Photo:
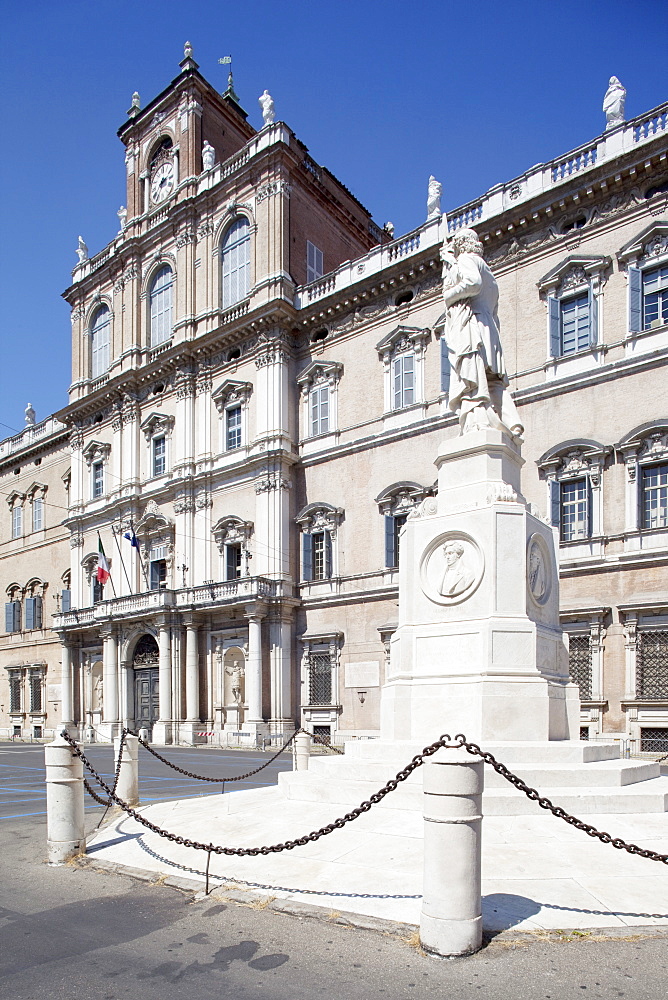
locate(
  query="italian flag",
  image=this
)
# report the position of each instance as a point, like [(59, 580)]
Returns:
[(102, 564)]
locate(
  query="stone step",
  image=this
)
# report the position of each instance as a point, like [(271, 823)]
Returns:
[(400, 752)]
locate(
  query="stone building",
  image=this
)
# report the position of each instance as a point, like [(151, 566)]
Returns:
[(260, 384)]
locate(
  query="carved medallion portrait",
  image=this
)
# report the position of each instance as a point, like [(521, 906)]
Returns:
[(539, 569), (451, 568)]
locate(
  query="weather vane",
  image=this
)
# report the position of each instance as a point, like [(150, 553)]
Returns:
[(227, 61)]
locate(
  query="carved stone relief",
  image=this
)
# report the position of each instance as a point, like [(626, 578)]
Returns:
[(539, 570), (451, 568)]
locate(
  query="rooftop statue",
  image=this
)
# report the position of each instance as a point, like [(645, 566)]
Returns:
[(82, 250), (479, 392), (613, 103), (208, 155), (434, 192), (266, 102)]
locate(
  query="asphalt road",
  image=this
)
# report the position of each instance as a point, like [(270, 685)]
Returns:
[(90, 933), (22, 789)]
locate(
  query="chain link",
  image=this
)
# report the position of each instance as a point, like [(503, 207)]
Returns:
[(91, 791), (224, 780), (460, 743)]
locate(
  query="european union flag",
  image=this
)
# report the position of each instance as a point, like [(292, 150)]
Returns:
[(132, 538)]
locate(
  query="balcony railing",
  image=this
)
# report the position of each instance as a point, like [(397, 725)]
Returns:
[(246, 588)]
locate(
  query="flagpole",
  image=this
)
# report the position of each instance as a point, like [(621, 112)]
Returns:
[(141, 564), (111, 579), (122, 560)]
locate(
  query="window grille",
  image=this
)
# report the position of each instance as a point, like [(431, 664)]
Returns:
[(654, 740), (579, 663), (320, 679), (99, 333), (160, 298), (35, 692), (233, 428), (652, 665), (14, 693), (236, 262), (655, 496), (574, 514), (584, 732), (323, 734)]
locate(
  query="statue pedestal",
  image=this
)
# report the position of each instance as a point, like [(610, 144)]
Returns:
[(478, 648)]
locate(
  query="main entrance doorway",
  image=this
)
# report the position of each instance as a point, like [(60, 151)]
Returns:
[(145, 663)]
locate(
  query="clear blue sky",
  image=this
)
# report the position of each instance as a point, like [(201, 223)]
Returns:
[(383, 92)]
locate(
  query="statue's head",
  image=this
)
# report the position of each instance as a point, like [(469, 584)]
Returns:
[(466, 241)]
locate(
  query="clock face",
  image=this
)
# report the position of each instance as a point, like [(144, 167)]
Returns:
[(162, 182)]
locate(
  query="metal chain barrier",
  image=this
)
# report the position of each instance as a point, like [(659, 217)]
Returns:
[(91, 791), (224, 780), (324, 742), (460, 742)]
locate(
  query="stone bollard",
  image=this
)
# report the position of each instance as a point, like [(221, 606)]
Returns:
[(302, 751), (65, 835), (128, 778), (143, 734), (451, 918)]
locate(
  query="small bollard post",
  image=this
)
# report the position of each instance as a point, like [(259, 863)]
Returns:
[(128, 776), (143, 734), (451, 918), (65, 835), (302, 751)]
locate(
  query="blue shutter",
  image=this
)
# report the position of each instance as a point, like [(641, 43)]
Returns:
[(30, 612), (328, 555), (445, 366), (554, 310), (307, 562), (9, 616), (589, 508), (66, 600), (390, 556), (635, 300), (555, 503), (593, 319)]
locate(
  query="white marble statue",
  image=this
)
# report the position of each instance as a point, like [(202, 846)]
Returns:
[(187, 51), (389, 229), (82, 250), (266, 102), (30, 415), (613, 103), (208, 155), (236, 672), (434, 192), (136, 101), (479, 392), (122, 214)]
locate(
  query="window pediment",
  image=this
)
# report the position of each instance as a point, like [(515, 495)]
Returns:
[(232, 530), (648, 443), (157, 423), (36, 490), (15, 498), (96, 451), (648, 245), (152, 520), (231, 391), (573, 459), (401, 498), (402, 338), (575, 271), (319, 372), (319, 517)]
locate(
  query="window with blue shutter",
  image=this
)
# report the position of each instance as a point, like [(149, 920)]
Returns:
[(554, 313), (314, 262), (404, 381), (635, 300), (575, 324), (593, 319), (393, 526), (555, 503), (655, 297), (445, 366), (66, 600), (307, 562), (13, 616)]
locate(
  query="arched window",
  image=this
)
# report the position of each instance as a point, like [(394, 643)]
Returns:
[(236, 262), (99, 335), (160, 297)]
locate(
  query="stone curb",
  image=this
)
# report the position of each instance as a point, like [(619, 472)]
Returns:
[(345, 918)]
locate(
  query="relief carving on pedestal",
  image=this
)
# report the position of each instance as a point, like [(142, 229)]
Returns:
[(451, 568), (539, 570)]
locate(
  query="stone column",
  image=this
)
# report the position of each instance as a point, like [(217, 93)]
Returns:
[(66, 705), (254, 669), (280, 645), (110, 677), (162, 730), (192, 673)]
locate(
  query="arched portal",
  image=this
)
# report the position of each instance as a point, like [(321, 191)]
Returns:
[(145, 664)]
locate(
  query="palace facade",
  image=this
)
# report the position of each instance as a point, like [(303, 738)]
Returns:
[(260, 384)]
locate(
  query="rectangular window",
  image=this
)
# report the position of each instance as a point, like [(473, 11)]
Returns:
[(33, 612), (37, 514), (574, 519), (233, 428), (35, 691), (15, 692), (575, 316), (314, 262), (97, 480), (655, 297), (652, 665), (654, 740), (158, 574), (98, 591), (403, 375), (322, 555), (232, 562), (17, 522), (159, 456), (393, 526), (13, 616), (319, 410), (654, 499), (579, 663), (66, 600), (320, 679)]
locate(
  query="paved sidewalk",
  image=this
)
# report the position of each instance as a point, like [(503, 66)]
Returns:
[(538, 872)]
